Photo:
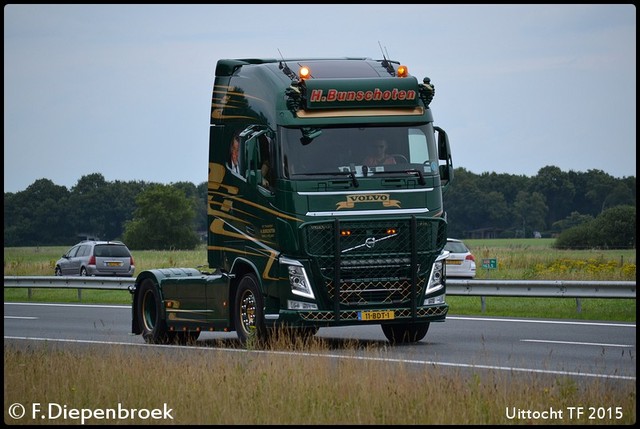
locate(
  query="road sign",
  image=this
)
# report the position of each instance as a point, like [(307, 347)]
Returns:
[(490, 263)]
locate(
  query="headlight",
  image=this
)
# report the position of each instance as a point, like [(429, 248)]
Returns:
[(298, 279), (437, 273)]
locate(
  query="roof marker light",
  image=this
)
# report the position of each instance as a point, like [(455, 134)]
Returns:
[(403, 71), (304, 73)]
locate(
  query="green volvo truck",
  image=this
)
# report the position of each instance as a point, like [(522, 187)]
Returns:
[(325, 187)]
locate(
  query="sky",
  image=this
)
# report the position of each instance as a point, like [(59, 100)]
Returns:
[(125, 90)]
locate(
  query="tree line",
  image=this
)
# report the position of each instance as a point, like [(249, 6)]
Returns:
[(149, 215)]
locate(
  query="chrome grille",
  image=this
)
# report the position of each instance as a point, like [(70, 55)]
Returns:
[(374, 257)]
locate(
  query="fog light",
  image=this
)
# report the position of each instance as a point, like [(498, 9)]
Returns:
[(434, 300), (299, 305)]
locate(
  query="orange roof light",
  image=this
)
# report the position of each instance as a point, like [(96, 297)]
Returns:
[(403, 71), (304, 73)]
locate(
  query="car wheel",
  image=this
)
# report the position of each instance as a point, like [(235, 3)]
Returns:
[(58, 271), (405, 332), (83, 272), (249, 312)]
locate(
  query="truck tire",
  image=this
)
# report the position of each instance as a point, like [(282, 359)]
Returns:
[(154, 327), (405, 332), (248, 312)]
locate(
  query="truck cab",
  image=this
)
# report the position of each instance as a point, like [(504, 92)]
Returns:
[(325, 206)]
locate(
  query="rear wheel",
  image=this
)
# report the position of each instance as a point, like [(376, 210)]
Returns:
[(249, 311), (83, 272), (405, 332), (154, 327)]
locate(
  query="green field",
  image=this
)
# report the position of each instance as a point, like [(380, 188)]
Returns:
[(517, 259)]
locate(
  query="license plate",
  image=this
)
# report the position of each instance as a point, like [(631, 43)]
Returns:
[(114, 264), (376, 315), (454, 262)]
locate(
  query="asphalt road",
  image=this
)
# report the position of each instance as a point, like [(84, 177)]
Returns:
[(578, 349)]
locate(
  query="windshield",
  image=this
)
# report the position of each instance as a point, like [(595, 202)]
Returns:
[(362, 151)]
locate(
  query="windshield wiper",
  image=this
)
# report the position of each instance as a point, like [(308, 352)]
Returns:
[(351, 174), (421, 180)]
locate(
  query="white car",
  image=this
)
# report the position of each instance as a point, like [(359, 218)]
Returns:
[(461, 262)]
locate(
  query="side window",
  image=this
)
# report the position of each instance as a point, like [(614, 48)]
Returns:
[(422, 150), (73, 252), (265, 161), (234, 162), (259, 161), (418, 149)]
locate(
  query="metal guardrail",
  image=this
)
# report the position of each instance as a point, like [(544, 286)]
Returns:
[(542, 289), (68, 282), (481, 288)]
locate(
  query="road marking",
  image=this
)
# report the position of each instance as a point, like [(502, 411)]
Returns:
[(580, 343), (556, 322)]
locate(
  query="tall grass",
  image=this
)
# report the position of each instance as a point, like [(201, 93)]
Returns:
[(231, 387), (40, 261), (536, 259)]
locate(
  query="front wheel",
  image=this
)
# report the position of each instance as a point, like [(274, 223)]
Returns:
[(248, 311), (405, 332)]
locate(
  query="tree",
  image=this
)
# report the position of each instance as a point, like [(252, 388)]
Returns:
[(558, 191), (573, 220), (531, 211), (614, 228), (90, 203), (37, 216), (163, 220)]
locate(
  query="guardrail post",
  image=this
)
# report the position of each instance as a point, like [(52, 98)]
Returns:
[(579, 305), (483, 303), (79, 295), (29, 293)]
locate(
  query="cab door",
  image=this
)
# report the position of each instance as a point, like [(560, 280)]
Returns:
[(261, 191)]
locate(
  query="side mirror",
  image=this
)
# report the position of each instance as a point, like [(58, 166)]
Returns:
[(444, 154)]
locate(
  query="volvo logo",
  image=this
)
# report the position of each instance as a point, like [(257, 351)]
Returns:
[(369, 243)]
